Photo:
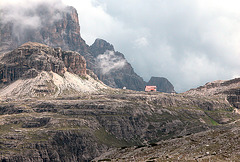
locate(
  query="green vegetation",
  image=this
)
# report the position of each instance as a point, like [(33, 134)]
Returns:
[(214, 123), (231, 109), (63, 128), (68, 91), (37, 137), (83, 77), (165, 116), (109, 139), (9, 127)]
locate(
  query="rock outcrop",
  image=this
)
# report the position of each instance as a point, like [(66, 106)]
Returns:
[(31, 58), (233, 97), (163, 85), (216, 87), (229, 89)]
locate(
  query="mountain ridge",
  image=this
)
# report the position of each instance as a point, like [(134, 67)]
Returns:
[(215, 87)]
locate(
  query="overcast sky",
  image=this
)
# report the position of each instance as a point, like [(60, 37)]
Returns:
[(190, 42)]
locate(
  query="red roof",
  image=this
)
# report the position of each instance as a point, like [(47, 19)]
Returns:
[(150, 88)]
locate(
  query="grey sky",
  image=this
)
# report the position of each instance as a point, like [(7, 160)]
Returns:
[(190, 42)]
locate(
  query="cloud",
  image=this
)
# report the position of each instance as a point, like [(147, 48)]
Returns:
[(108, 62), (139, 42), (189, 42), (27, 16), (28, 3)]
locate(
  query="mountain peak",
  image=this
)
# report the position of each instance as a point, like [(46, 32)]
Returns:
[(100, 46), (102, 43)]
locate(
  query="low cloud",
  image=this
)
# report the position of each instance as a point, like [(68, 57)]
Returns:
[(108, 62), (28, 15), (141, 42)]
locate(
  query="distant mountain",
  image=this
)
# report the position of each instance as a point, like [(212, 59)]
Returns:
[(216, 87), (163, 85), (59, 27), (123, 76), (230, 89), (112, 67)]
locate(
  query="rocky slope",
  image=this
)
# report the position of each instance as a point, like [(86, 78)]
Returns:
[(216, 87), (221, 144), (59, 27), (229, 88), (38, 57), (83, 127), (35, 69)]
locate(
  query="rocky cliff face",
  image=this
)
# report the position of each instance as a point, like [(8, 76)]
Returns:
[(234, 97), (31, 58), (57, 27), (100, 46), (163, 85)]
